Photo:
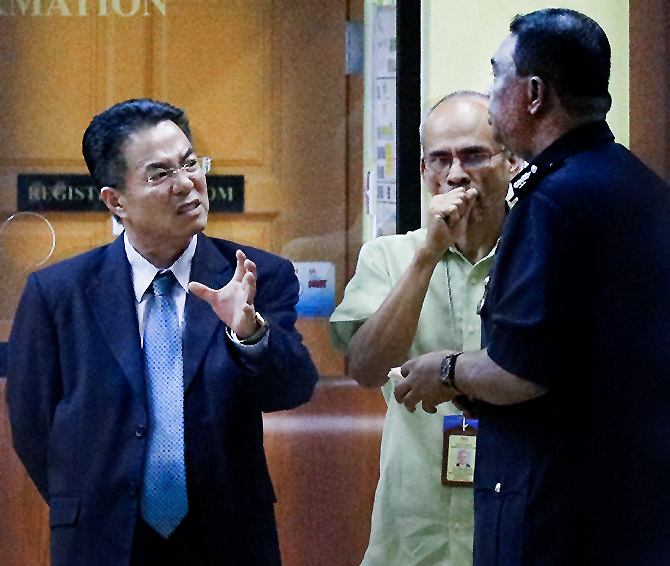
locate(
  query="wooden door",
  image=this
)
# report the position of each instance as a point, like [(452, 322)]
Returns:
[(264, 87)]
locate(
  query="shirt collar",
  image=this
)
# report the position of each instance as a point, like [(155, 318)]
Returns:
[(578, 139), (143, 271), (455, 251)]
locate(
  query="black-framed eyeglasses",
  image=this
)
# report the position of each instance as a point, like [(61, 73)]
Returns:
[(192, 165), (469, 160)]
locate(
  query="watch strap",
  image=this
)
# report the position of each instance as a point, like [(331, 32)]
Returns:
[(260, 332), (448, 371)]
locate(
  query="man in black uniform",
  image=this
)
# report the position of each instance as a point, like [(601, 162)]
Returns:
[(576, 321)]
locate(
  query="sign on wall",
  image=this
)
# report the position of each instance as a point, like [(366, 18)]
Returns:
[(43, 192), (383, 116)]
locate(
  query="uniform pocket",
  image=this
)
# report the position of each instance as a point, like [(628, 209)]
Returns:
[(63, 510), (501, 496)]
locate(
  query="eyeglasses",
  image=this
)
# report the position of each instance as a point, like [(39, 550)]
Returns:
[(471, 161), (192, 165)]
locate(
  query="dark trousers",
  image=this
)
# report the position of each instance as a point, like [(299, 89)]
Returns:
[(186, 546)]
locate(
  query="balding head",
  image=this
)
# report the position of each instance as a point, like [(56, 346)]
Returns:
[(459, 151), (459, 115), (458, 95)]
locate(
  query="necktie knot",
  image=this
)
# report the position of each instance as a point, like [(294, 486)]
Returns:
[(163, 283)]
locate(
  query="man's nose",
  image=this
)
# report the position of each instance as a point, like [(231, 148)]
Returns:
[(457, 176), (181, 181)]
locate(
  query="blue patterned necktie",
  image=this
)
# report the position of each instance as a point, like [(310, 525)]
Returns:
[(164, 503)]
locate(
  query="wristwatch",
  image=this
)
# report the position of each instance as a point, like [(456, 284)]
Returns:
[(448, 371), (260, 331), (262, 323)]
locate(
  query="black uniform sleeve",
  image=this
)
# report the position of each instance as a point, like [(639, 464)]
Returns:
[(539, 292)]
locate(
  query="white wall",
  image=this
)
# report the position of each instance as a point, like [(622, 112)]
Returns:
[(460, 36)]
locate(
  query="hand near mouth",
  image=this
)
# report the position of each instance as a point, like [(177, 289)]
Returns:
[(448, 215), (234, 302)]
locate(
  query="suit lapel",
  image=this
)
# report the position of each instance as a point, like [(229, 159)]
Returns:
[(112, 300), (214, 270)]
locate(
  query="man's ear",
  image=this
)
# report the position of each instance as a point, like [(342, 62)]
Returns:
[(422, 167), (114, 201), (537, 94)]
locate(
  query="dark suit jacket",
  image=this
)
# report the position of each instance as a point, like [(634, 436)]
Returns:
[(78, 403)]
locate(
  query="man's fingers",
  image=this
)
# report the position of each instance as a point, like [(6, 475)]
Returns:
[(250, 278), (250, 281), (239, 268), (406, 368), (464, 207), (202, 291), (410, 401), (443, 204), (404, 395), (470, 199), (453, 215), (432, 409), (452, 206), (401, 390), (250, 266)]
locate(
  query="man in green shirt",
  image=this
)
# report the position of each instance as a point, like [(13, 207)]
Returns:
[(417, 293)]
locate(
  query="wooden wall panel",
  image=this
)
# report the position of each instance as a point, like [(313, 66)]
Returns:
[(26, 241), (354, 161), (78, 232), (24, 524), (314, 125), (650, 83), (223, 76), (251, 229), (52, 66), (123, 48), (324, 462)]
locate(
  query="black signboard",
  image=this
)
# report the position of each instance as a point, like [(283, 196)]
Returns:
[(226, 193), (36, 193), (58, 192)]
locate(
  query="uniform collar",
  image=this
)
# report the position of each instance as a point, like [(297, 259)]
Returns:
[(582, 137)]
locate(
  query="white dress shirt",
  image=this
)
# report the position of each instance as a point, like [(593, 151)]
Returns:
[(143, 273)]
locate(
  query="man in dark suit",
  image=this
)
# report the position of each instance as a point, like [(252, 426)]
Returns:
[(135, 405)]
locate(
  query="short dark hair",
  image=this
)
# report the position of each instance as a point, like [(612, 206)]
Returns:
[(105, 135), (568, 50)]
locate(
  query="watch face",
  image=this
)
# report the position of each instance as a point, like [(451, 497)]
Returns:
[(260, 320), (445, 369), (448, 369)]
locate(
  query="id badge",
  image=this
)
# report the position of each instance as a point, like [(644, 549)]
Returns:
[(459, 448)]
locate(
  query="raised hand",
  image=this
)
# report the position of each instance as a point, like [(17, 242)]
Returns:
[(234, 303), (448, 215)]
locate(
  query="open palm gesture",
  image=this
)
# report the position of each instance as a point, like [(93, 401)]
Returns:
[(234, 302)]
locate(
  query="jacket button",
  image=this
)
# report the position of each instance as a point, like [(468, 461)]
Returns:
[(140, 431), (133, 488)]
